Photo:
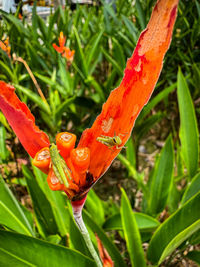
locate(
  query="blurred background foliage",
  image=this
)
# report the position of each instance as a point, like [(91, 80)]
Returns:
[(159, 168)]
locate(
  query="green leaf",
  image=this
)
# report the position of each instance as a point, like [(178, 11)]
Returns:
[(131, 152), (113, 62), (7, 71), (42, 208), (48, 81), (63, 107), (144, 222), (79, 54), (94, 47), (3, 150), (20, 251), (131, 28), (155, 100), (143, 127), (141, 16), (161, 179), (119, 53), (194, 256), (57, 200), (108, 244), (65, 76), (95, 207), (16, 23), (189, 134), (35, 98), (176, 229), (131, 233), (192, 189), (11, 214)]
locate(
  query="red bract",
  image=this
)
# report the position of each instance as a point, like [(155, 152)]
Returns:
[(62, 49), (125, 103), (100, 144), (21, 120)]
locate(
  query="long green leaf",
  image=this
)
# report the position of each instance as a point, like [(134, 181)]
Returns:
[(141, 16), (42, 208), (159, 97), (95, 206), (112, 61), (176, 229), (63, 107), (11, 214), (7, 71), (35, 98), (192, 189), (162, 178), (131, 233), (57, 200), (144, 222), (80, 54), (94, 47), (48, 81), (3, 150), (22, 251), (189, 134)]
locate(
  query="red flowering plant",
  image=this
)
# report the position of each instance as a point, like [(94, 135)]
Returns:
[(64, 50), (5, 46), (76, 170)]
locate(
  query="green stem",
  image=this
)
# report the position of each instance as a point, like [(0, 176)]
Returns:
[(77, 213)]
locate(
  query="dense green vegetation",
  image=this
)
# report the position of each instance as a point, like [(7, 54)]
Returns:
[(161, 159)]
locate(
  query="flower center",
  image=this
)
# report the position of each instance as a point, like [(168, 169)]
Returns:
[(43, 155), (66, 137)]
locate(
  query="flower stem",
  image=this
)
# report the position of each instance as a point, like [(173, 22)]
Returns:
[(77, 213)]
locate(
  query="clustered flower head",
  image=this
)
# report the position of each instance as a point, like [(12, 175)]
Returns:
[(74, 163), (64, 50)]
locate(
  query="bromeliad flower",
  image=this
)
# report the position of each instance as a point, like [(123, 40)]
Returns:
[(76, 170), (62, 49)]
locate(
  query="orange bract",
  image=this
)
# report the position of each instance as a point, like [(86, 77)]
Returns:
[(125, 103), (65, 143), (21, 120), (65, 51)]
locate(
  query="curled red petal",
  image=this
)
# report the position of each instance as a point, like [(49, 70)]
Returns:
[(21, 120), (125, 103)]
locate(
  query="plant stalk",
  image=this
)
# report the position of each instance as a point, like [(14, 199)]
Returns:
[(77, 213)]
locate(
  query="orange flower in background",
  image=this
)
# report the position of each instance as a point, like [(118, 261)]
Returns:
[(105, 257), (79, 168), (5, 46), (62, 49)]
